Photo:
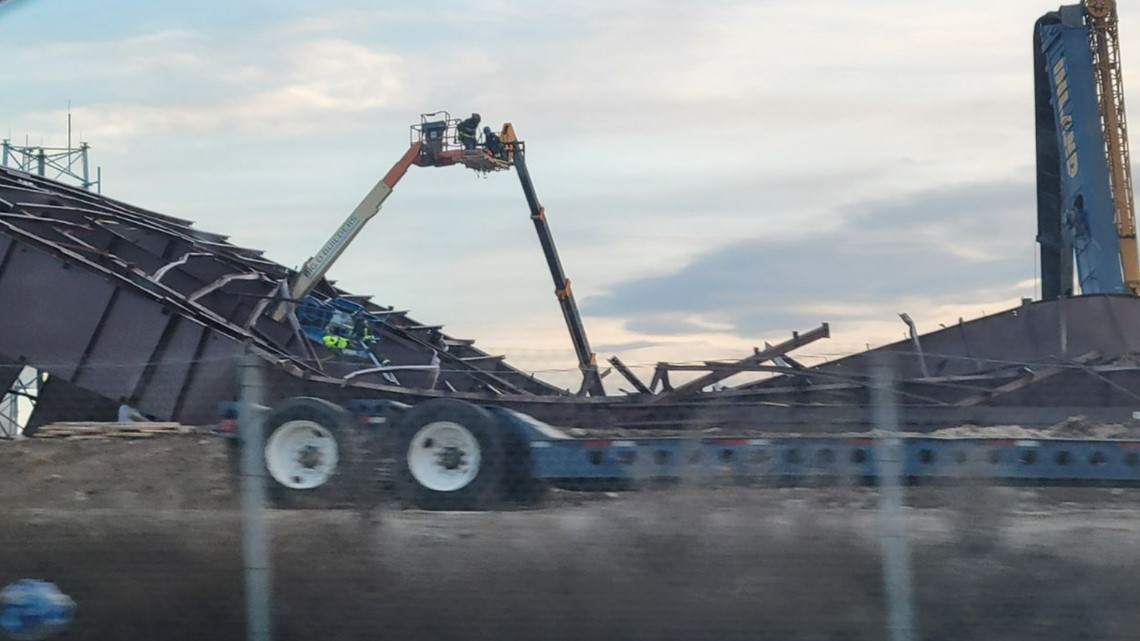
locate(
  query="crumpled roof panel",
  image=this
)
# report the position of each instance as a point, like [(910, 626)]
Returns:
[(124, 302)]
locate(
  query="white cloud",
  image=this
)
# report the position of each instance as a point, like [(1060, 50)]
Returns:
[(306, 87), (157, 52)]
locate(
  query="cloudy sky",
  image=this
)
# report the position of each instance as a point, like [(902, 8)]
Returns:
[(716, 173)]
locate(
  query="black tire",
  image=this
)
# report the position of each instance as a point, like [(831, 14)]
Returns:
[(480, 492), (334, 420), (518, 484)]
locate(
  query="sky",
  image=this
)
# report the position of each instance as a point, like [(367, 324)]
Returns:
[(716, 174)]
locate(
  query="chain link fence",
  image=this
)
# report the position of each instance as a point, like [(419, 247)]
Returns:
[(304, 520)]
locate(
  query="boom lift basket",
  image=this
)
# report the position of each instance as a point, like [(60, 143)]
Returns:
[(438, 132)]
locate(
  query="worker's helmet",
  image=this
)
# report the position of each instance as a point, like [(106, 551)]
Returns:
[(486, 130), (476, 116)]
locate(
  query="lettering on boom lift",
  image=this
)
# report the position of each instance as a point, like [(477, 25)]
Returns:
[(1061, 90), (312, 266)]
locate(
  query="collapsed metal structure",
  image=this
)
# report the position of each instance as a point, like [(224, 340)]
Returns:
[(114, 302), (117, 302)]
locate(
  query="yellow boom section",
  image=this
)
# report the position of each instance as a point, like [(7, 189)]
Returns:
[(1102, 20)]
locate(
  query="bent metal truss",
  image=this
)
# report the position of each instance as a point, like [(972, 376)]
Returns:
[(113, 301)]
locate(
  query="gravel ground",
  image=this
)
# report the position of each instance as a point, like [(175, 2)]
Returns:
[(145, 536)]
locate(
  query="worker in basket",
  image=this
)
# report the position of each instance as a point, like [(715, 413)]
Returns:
[(362, 330), (468, 131), (492, 143), (334, 339)]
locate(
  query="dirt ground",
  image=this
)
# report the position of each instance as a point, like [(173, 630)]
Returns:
[(145, 537)]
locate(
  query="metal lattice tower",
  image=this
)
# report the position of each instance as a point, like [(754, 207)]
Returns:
[(68, 164)]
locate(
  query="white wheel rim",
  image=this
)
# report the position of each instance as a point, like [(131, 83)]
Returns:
[(301, 455), (444, 456)]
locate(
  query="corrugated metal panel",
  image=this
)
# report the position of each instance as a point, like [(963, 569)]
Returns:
[(118, 354), (170, 364), (9, 371), (212, 380), (50, 310)]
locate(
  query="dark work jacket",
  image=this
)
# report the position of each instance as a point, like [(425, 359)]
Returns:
[(467, 128), (493, 144)]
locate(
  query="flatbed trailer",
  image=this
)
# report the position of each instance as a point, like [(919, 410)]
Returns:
[(451, 454)]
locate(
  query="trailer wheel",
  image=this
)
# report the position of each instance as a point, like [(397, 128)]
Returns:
[(304, 448), (449, 456)]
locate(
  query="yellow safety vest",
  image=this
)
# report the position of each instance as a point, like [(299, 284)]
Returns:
[(335, 342)]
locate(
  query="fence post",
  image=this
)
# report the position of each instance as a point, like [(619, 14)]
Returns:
[(255, 531), (889, 461)]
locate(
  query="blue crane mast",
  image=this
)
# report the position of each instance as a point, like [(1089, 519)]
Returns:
[(1085, 219)]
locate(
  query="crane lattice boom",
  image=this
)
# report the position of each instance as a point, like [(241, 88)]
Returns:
[(1105, 43)]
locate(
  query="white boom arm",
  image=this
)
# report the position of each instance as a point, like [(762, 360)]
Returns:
[(317, 266)]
